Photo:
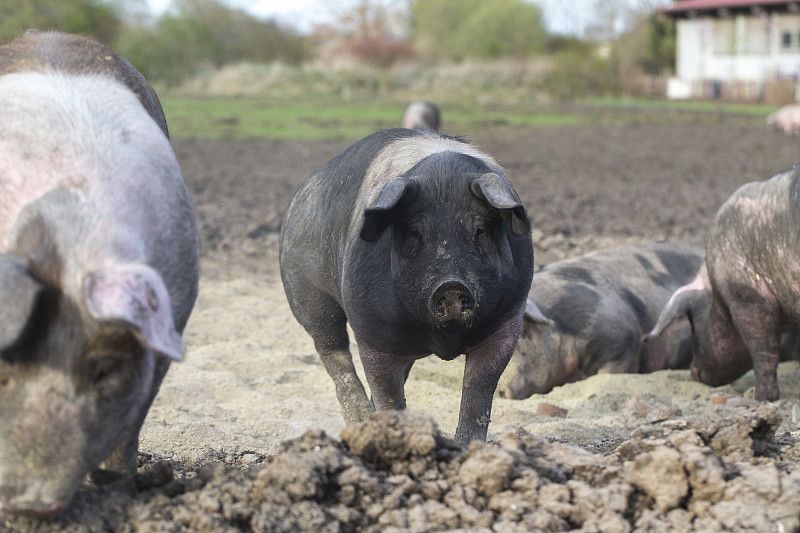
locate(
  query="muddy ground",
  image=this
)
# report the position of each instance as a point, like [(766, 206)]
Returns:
[(246, 433)]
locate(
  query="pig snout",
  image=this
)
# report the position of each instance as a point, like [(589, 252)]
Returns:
[(29, 501), (54, 423), (452, 302)]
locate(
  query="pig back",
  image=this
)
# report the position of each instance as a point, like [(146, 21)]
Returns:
[(55, 51), (616, 293), (754, 244)]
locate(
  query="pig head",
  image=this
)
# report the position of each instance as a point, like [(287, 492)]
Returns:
[(98, 265)]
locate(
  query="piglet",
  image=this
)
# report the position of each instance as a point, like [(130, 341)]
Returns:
[(98, 264)]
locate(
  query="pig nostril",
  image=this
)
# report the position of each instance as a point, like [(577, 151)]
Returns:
[(451, 299)]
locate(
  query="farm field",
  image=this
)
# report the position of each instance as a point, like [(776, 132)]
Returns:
[(246, 433)]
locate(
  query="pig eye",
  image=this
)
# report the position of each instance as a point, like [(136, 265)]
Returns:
[(105, 375)]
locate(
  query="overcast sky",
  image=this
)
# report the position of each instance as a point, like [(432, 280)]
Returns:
[(561, 16)]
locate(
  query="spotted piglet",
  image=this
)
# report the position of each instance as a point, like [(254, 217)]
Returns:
[(586, 315)]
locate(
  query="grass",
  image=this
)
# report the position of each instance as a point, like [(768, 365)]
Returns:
[(330, 117), (681, 105)]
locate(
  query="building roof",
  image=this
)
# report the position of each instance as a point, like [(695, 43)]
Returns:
[(720, 7)]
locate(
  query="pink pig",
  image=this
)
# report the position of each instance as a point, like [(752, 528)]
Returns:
[(786, 119), (98, 264)]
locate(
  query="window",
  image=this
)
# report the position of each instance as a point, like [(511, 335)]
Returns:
[(786, 39)]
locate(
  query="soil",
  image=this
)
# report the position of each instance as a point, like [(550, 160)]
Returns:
[(246, 433)]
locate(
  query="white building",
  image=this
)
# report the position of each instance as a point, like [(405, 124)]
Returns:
[(735, 48)]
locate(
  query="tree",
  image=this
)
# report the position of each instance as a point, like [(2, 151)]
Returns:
[(459, 29), (196, 34), (90, 17)]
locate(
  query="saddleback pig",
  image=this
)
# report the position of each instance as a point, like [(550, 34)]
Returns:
[(747, 294), (421, 244), (98, 264), (586, 315)]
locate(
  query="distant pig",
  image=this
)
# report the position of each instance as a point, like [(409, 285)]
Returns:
[(98, 264), (747, 294), (786, 119), (421, 244), (421, 115), (586, 315)]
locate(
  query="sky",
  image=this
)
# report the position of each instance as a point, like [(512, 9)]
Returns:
[(561, 16)]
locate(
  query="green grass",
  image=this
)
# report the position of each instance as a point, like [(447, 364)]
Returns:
[(241, 118), (328, 117), (680, 105)]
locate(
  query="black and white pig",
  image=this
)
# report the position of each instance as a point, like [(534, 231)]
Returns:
[(98, 264), (422, 115), (586, 315), (421, 244), (747, 294)]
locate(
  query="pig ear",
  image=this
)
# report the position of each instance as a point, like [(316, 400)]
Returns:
[(136, 295), (497, 191), (19, 293), (377, 217), (535, 315)]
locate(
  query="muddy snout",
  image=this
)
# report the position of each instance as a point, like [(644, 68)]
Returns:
[(452, 302)]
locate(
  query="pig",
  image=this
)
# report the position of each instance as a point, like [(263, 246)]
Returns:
[(786, 119), (98, 265), (420, 243), (586, 315), (422, 115), (746, 294)]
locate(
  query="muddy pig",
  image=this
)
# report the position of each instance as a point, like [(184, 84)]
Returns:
[(98, 264), (422, 115), (586, 315), (747, 292), (420, 243)]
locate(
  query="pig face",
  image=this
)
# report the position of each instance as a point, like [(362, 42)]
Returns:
[(451, 259), (550, 356), (76, 378)]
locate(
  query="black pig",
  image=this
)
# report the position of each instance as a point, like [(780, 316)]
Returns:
[(420, 243)]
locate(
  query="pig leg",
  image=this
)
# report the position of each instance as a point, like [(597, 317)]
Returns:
[(125, 458), (386, 375), (338, 361), (326, 323), (484, 365), (757, 323)]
